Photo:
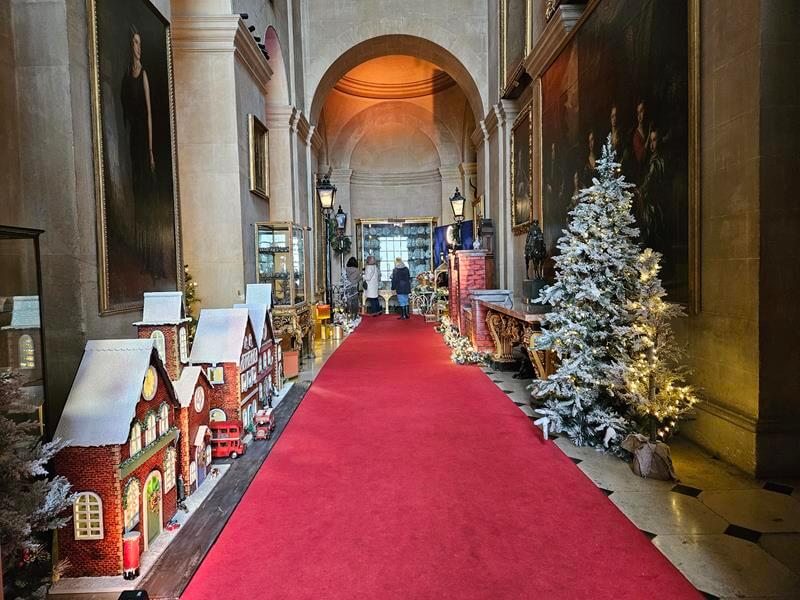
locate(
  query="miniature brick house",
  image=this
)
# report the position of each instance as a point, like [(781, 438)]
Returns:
[(164, 319), (261, 321), (194, 446), (121, 455), (225, 346), (21, 339), (261, 293)]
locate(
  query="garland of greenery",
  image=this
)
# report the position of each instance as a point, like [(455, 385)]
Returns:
[(340, 244)]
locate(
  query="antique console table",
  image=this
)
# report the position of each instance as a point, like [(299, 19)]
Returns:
[(508, 327)]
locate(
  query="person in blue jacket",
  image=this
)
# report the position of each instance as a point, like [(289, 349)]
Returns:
[(401, 284)]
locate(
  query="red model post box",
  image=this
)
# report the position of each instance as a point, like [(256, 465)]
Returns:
[(130, 555)]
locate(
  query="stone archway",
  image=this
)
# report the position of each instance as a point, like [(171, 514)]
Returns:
[(402, 44)]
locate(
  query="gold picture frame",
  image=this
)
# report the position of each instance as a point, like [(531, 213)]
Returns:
[(521, 193), (133, 256), (508, 74), (693, 303), (259, 157), (477, 211)]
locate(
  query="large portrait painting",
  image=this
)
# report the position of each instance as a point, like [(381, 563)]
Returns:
[(625, 73), (134, 153), (515, 40), (521, 172), (259, 157)]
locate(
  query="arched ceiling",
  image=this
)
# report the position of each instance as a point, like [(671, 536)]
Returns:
[(394, 77), (396, 44)]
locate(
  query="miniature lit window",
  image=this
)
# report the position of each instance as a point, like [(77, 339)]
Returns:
[(192, 472), (163, 419), (215, 375), (27, 356), (183, 344), (132, 497), (216, 414), (269, 356), (149, 429), (208, 455), (169, 469), (160, 344), (199, 399), (243, 379), (150, 384), (136, 439), (87, 516)]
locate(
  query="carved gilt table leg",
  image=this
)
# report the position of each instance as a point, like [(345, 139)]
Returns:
[(505, 332)]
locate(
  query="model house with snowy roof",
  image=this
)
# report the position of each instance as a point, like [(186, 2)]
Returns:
[(261, 293), (119, 423), (21, 339), (194, 392), (225, 347), (262, 329), (164, 320)]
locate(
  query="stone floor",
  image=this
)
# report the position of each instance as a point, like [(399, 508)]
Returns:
[(731, 535)]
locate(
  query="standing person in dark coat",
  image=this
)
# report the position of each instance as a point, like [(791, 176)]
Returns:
[(401, 284)]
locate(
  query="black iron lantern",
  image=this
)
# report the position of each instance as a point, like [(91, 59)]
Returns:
[(326, 192), (341, 220), (457, 202)]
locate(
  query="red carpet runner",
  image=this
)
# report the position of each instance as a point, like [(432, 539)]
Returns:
[(403, 475)]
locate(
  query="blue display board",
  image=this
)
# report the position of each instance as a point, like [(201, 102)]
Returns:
[(440, 240)]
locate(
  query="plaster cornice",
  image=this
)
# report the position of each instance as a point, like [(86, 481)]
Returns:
[(303, 126), (212, 33), (280, 116), (341, 175), (440, 81), (395, 179), (315, 138), (480, 135), (467, 169), (450, 171), (552, 38), (250, 55)]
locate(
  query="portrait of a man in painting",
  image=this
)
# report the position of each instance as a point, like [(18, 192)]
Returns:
[(134, 143), (640, 98)]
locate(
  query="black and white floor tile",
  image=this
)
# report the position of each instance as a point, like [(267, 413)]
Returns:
[(731, 535)]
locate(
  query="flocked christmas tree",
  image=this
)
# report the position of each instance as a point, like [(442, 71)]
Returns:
[(31, 503), (596, 276), (647, 375)]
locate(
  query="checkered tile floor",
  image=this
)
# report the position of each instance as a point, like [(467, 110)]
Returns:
[(731, 535)]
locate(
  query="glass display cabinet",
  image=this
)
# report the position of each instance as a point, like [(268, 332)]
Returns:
[(21, 335), (386, 239), (281, 261)]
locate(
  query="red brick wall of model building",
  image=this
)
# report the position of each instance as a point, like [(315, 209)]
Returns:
[(227, 395), (169, 498), (193, 420), (143, 407), (93, 470), (172, 359)]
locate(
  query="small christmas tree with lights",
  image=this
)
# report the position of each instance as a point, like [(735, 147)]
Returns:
[(190, 298), (646, 375), (597, 274)]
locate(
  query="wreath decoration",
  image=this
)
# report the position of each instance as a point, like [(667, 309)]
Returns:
[(340, 244)]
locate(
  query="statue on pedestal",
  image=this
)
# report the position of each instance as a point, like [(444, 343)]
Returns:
[(536, 253)]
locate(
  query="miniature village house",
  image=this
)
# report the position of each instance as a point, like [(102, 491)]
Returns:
[(262, 328), (225, 346), (121, 454), (261, 293), (194, 446), (164, 320)]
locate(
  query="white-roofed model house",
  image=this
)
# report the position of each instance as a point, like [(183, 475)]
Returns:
[(121, 456), (164, 320), (194, 447), (261, 320), (225, 346)]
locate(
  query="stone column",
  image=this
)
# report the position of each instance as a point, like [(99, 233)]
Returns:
[(468, 174), (451, 179), (504, 114), (280, 123), (341, 179), (208, 165)]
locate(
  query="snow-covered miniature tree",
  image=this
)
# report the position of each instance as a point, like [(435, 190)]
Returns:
[(647, 375), (30, 502), (596, 274)]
